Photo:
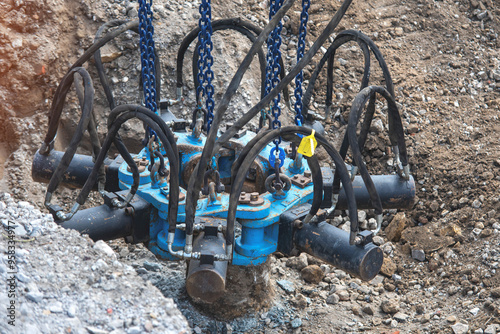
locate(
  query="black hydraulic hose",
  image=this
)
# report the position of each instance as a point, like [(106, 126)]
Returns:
[(359, 36), (100, 68), (252, 38), (62, 89), (396, 136), (98, 62), (289, 77), (329, 56), (367, 121), (171, 150), (239, 25), (174, 159), (387, 77), (80, 129), (195, 187), (289, 133), (111, 136), (92, 129)]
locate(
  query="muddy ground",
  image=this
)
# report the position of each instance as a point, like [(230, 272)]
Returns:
[(444, 59)]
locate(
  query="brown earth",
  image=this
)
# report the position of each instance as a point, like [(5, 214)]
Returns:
[(444, 59)]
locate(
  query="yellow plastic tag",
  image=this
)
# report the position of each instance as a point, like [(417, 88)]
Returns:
[(308, 145)]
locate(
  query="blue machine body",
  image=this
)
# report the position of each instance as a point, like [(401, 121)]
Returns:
[(259, 223)]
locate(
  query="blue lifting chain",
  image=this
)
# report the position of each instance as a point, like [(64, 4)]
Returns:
[(301, 46), (205, 61), (146, 32), (273, 70)]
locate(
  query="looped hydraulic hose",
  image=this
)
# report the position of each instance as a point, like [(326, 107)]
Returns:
[(290, 133), (396, 136), (208, 151), (246, 28), (210, 146), (62, 89), (87, 105)]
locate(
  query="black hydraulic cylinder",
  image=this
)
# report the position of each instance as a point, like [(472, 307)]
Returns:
[(78, 171), (394, 191), (106, 223), (331, 245), (206, 278)]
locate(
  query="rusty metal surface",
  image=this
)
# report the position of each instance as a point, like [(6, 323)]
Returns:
[(206, 278), (301, 181)]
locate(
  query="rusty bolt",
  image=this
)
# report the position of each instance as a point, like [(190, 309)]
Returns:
[(307, 173), (254, 196), (129, 211), (295, 177), (298, 224), (243, 193)]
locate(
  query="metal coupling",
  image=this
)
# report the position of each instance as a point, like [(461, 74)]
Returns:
[(67, 216), (378, 218), (187, 253), (330, 210), (406, 172), (308, 218), (119, 204), (188, 248), (179, 94), (354, 171), (48, 199), (225, 257)]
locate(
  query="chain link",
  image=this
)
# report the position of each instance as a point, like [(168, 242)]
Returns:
[(147, 47), (273, 67), (301, 46), (205, 61)]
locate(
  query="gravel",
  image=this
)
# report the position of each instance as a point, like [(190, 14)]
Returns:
[(67, 283)]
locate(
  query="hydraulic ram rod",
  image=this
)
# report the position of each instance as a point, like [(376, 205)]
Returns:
[(78, 170), (331, 245)]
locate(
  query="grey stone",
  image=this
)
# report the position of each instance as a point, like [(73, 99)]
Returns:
[(72, 309), (35, 296), (418, 254), (361, 216), (20, 231), (401, 317), (286, 285), (390, 306), (296, 323), (368, 309), (492, 329), (297, 262), (476, 204), (460, 328), (95, 330), (152, 266), (474, 311), (333, 299), (56, 307), (23, 278), (377, 126), (134, 330), (104, 248), (344, 295)]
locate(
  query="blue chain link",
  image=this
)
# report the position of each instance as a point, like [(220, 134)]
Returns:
[(301, 46), (273, 67), (205, 61), (147, 47)]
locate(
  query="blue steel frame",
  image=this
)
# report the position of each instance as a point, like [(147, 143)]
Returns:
[(259, 232)]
